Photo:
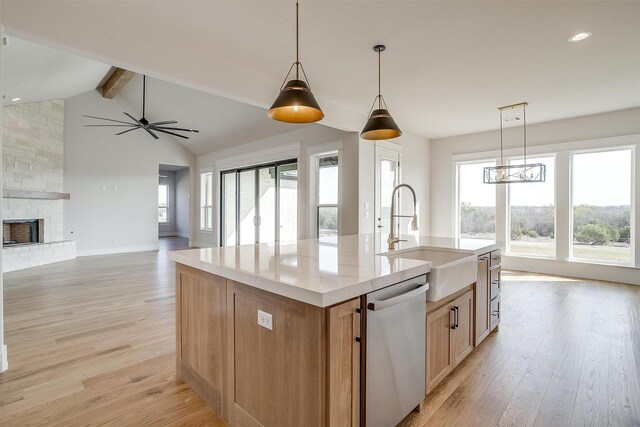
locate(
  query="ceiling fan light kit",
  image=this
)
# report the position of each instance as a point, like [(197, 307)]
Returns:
[(150, 127), (512, 174), (296, 103), (380, 124)]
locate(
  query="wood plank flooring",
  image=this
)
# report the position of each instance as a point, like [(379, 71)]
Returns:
[(91, 342)]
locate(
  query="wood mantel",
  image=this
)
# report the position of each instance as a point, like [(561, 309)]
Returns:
[(9, 193)]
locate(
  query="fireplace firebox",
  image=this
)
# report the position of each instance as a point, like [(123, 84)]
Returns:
[(22, 231)]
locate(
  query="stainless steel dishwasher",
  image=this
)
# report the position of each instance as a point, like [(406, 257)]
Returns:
[(394, 373)]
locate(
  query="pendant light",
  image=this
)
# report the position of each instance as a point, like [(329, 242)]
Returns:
[(296, 103), (511, 174), (380, 124)]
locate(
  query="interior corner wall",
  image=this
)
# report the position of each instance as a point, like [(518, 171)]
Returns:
[(183, 208), (307, 136), (113, 180)]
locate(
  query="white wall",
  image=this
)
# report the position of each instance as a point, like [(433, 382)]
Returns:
[(183, 206), (288, 145), (112, 179), (414, 161), (605, 125)]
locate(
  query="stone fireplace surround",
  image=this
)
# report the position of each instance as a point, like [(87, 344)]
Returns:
[(32, 166)]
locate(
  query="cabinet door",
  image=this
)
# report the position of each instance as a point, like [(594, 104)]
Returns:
[(495, 312), (482, 300), (494, 277), (439, 358), (344, 364), (462, 335), (201, 333)]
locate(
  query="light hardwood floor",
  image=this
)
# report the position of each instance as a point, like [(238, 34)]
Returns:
[(91, 342)]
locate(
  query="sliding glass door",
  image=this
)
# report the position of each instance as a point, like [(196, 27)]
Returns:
[(259, 204)]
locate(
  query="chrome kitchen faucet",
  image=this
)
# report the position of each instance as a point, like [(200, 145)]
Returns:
[(414, 218)]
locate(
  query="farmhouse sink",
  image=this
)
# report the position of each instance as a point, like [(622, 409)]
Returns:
[(450, 271)]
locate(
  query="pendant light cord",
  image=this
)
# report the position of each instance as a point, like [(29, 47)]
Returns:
[(297, 44), (379, 78), (524, 131), (501, 157), (144, 93)]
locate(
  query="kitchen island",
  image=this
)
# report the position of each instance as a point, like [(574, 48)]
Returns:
[(274, 334)]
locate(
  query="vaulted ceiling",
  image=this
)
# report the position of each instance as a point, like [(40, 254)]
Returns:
[(448, 65)]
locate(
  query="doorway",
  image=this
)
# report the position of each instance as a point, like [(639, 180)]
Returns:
[(174, 214), (387, 172)]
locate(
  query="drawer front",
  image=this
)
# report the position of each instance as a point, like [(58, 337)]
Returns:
[(495, 284), (495, 312), (496, 258)]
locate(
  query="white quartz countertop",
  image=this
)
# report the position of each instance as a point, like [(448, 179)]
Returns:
[(327, 270)]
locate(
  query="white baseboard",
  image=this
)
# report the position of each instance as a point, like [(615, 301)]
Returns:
[(120, 250), (201, 245), (172, 234), (4, 361)]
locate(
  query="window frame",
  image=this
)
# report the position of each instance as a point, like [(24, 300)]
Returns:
[(632, 206), (165, 206), (318, 205), (563, 152), (204, 207), (256, 169), (507, 244), (457, 202)]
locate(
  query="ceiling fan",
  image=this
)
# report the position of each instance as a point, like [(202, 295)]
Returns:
[(143, 123)]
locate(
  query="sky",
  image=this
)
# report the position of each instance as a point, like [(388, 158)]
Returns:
[(601, 179)]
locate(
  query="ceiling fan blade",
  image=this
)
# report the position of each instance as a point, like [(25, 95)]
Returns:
[(103, 118), (168, 122), (171, 133), (128, 130), (123, 126), (181, 129), (133, 118)]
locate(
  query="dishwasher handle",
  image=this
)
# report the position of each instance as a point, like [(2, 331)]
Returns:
[(376, 305)]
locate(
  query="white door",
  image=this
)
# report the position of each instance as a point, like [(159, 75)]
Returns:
[(387, 177)]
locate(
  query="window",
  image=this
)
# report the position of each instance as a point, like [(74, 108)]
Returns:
[(259, 204), (206, 201), (163, 204), (532, 214), (476, 202), (601, 211), (327, 196)]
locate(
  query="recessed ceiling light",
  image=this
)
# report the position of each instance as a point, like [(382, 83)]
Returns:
[(579, 36), (15, 99)]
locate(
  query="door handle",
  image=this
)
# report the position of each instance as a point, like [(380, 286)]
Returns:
[(456, 311), (452, 317), (375, 305)]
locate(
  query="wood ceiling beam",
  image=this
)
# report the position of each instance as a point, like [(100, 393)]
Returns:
[(116, 82)]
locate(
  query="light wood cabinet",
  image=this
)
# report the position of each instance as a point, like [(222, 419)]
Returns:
[(439, 357), (482, 300), (462, 334), (201, 333), (450, 334), (487, 289), (277, 374), (302, 371), (343, 364)]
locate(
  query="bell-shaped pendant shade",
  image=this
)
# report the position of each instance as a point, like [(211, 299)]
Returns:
[(296, 104), (380, 125)]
